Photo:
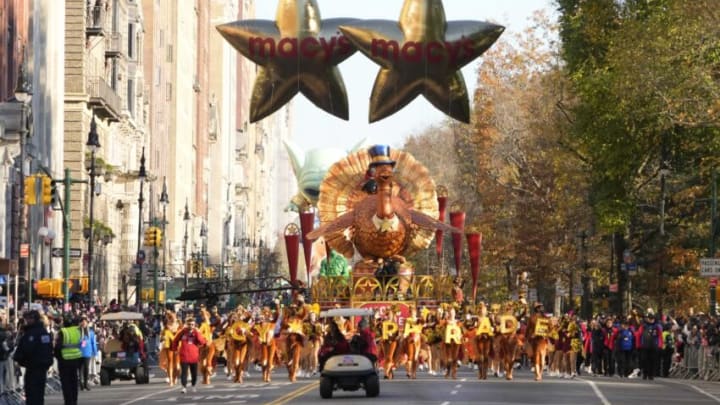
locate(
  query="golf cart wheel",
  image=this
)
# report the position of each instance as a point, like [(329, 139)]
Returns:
[(141, 376), (372, 386), (104, 377), (326, 387)]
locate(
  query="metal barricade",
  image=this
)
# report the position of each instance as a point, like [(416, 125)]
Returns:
[(708, 364), (690, 360)]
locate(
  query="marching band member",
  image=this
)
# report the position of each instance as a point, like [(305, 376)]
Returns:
[(537, 331), (390, 338), (265, 331), (207, 352), (483, 340), (451, 343)]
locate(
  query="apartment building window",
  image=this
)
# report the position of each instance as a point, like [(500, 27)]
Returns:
[(114, 74), (131, 97), (161, 40), (169, 53), (168, 92), (131, 41)]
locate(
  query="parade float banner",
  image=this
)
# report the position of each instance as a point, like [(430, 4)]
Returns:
[(457, 219), (474, 241), (307, 223), (421, 54), (292, 246), (442, 208)]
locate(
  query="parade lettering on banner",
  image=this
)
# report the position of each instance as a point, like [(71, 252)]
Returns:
[(453, 334), (508, 324), (542, 328), (389, 329), (484, 327)]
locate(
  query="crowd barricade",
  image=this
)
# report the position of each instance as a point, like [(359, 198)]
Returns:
[(698, 362)]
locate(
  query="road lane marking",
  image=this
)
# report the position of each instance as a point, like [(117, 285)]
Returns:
[(598, 393), (294, 394), (458, 385), (152, 394), (453, 392), (707, 394), (445, 403)]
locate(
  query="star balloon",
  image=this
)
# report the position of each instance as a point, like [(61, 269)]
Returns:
[(298, 52), (421, 54)]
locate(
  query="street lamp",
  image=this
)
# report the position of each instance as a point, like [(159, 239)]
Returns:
[(142, 174), (204, 236), (186, 219), (164, 200), (23, 95), (93, 143)]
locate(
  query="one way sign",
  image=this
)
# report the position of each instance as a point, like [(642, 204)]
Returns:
[(74, 253)]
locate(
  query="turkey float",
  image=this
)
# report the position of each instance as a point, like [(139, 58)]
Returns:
[(380, 203)]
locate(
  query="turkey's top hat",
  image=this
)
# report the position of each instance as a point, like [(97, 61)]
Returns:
[(380, 155)]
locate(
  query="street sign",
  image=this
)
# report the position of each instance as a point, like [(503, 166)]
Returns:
[(713, 282), (709, 267), (613, 288), (577, 290), (166, 279), (532, 294), (140, 259), (59, 252), (24, 250)]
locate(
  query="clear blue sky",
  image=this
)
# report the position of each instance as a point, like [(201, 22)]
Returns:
[(314, 128)]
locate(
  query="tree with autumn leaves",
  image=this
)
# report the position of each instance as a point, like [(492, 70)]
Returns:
[(613, 131)]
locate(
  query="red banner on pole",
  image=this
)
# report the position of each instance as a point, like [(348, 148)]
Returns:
[(307, 223), (457, 219), (474, 241), (442, 207), (292, 246)]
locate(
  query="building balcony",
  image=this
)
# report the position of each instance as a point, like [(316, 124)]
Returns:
[(114, 46), (103, 99), (95, 21)]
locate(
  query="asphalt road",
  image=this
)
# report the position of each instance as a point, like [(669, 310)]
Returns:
[(427, 389)]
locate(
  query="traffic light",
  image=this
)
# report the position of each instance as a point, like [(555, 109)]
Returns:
[(150, 237), (53, 192), (158, 237), (30, 192), (47, 190)]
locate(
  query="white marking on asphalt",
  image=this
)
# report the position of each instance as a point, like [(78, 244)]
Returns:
[(464, 379), (458, 386), (144, 397), (707, 394), (700, 390), (453, 392), (445, 403), (598, 393)]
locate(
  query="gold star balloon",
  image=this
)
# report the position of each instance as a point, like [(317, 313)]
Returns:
[(422, 53), (298, 52)]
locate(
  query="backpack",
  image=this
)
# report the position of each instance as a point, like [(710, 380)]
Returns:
[(626, 340), (669, 340), (650, 337)]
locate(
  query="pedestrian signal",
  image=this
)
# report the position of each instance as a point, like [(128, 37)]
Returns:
[(30, 192), (47, 190)]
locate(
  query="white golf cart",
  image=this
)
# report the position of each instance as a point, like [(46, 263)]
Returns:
[(348, 372)]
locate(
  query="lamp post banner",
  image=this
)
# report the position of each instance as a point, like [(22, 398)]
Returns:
[(307, 222), (292, 246), (442, 207), (457, 219), (474, 241)]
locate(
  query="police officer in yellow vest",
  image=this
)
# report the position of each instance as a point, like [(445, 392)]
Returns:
[(69, 356)]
